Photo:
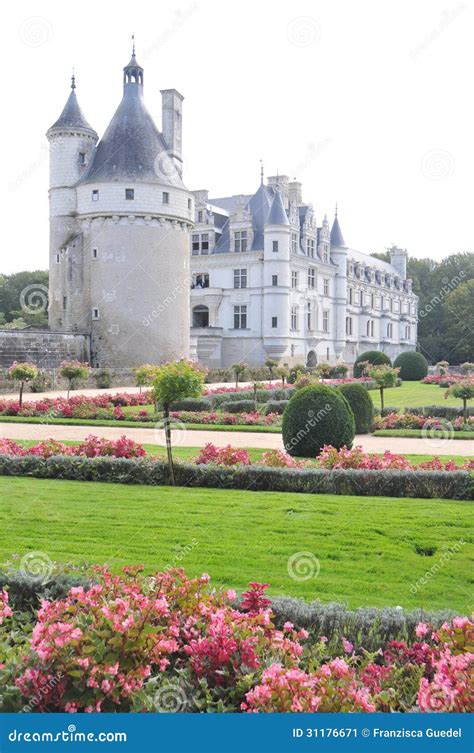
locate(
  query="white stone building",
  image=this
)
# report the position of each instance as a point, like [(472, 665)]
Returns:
[(267, 281)]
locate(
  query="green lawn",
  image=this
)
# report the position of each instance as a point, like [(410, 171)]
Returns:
[(414, 395), (418, 434), (370, 550)]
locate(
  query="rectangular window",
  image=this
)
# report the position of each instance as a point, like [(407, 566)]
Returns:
[(190, 204), (348, 325), (325, 320), (350, 296), (274, 322), (199, 216), (274, 280), (310, 247), (275, 247), (294, 243), (95, 313), (64, 301), (240, 278), (166, 197), (294, 280), (311, 277), (95, 195), (294, 317), (129, 194), (325, 286), (82, 158), (95, 253), (58, 258), (205, 243), (195, 245), (200, 280), (240, 317), (326, 253), (308, 315), (240, 241)]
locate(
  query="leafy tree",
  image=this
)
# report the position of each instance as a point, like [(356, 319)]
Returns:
[(271, 365), (22, 372), (175, 381), (145, 374), (239, 370), (459, 331), (72, 370), (463, 391), (283, 372), (384, 376), (24, 295)]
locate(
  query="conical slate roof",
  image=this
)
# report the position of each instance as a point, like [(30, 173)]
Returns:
[(337, 239), (72, 115), (132, 149), (277, 214)]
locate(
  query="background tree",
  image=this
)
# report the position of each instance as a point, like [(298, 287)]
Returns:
[(22, 372), (23, 296), (459, 323), (384, 376), (72, 370), (175, 381)]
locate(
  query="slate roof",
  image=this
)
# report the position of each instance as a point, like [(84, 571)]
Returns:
[(72, 115), (337, 239), (277, 214)]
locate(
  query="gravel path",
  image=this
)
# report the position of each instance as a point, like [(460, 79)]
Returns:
[(189, 438)]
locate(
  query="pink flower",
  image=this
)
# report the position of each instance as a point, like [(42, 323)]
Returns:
[(347, 645)]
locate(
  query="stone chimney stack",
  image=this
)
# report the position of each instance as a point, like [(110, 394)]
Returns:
[(172, 125)]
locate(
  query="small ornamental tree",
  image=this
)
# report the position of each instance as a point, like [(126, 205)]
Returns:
[(256, 386), (175, 381), (145, 374), (442, 368), (298, 368), (72, 370), (283, 372), (271, 365), (323, 370), (22, 372), (467, 367), (374, 357), (463, 391), (384, 376), (239, 370)]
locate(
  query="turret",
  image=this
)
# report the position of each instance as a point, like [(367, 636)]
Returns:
[(398, 259), (339, 257), (276, 277)]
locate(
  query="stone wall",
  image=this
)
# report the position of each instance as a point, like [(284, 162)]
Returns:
[(45, 349)]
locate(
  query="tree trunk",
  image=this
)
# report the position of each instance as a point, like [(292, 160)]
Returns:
[(166, 414), (236, 380), (68, 388), (381, 401), (464, 402), (21, 393)]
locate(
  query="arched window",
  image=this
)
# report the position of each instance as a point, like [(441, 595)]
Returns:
[(311, 359), (200, 316)]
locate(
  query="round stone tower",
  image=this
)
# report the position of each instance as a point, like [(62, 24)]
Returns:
[(133, 220)]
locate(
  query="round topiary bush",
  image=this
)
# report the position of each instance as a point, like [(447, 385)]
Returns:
[(374, 357), (315, 416), (361, 404), (413, 366)]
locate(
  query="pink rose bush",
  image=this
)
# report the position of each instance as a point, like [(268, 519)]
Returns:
[(222, 456), (91, 447), (79, 406), (111, 646)]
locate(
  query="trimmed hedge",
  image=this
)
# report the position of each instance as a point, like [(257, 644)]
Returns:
[(316, 416), (192, 404), (440, 411), (238, 406), (374, 357), (418, 484), (25, 592), (361, 405), (275, 406), (413, 366)]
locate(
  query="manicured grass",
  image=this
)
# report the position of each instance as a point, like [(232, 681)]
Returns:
[(187, 453), (370, 550), (417, 433), (414, 395)]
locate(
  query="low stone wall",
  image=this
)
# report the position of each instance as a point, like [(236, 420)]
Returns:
[(45, 349)]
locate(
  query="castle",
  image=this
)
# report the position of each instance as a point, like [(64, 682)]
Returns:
[(151, 271)]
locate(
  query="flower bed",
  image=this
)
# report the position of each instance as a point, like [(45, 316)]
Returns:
[(227, 419), (78, 406), (443, 380), (413, 421), (122, 643)]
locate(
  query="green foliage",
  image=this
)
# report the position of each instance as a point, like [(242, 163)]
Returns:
[(374, 357), (23, 372), (192, 404), (145, 374), (459, 322), (275, 406), (74, 370), (361, 404), (314, 417), (463, 391), (413, 366), (103, 378), (11, 288), (238, 406), (177, 380)]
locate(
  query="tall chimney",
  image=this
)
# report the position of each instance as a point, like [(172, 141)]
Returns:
[(171, 124)]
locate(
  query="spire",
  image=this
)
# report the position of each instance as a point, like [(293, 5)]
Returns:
[(337, 239), (277, 214), (261, 172), (133, 73), (72, 116)]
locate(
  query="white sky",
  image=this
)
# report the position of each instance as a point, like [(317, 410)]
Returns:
[(368, 103)]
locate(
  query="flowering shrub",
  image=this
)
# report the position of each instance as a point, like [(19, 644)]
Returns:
[(77, 406), (222, 456), (91, 447), (443, 380), (332, 458), (412, 421), (280, 459), (5, 610)]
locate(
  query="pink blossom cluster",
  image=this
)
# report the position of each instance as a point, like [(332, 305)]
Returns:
[(412, 421), (443, 379), (213, 417), (5, 610), (77, 406), (331, 458), (222, 455), (91, 447), (281, 459)]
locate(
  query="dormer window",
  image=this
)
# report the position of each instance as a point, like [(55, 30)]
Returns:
[(240, 241), (129, 194), (326, 253), (95, 195), (310, 247)]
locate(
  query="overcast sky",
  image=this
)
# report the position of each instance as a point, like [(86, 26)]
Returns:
[(368, 103)]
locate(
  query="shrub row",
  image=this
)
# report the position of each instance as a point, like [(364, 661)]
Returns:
[(238, 406), (368, 626), (418, 484), (439, 411), (275, 406)]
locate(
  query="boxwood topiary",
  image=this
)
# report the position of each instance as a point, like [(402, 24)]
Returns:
[(413, 366), (374, 357), (315, 416), (361, 404)]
